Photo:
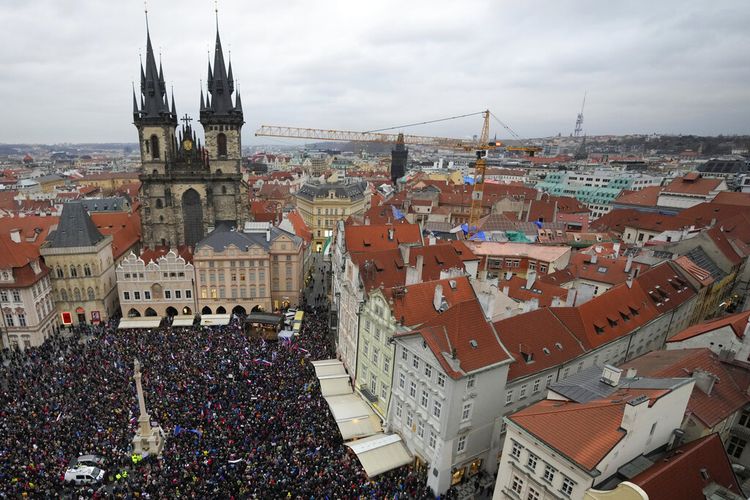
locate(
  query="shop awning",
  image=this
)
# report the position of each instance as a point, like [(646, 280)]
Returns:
[(353, 416), (380, 453), (328, 367), (215, 319), (142, 322), (335, 385), (183, 321)]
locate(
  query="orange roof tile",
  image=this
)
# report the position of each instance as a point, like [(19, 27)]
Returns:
[(665, 286), (34, 228), (374, 237), (646, 197), (542, 291), (450, 335), (701, 275), (154, 254), (604, 270), (413, 305), (729, 392), (733, 198), (537, 340), (124, 227), (737, 322), (692, 183), (681, 474), (300, 228)]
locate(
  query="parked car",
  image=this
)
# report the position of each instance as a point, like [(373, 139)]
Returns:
[(84, 474)]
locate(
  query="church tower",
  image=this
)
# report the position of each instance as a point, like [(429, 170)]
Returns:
[(187, 190)]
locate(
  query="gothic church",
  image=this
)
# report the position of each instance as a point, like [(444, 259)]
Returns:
[(189, 188)]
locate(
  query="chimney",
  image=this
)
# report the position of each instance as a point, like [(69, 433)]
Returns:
[(15, 235), (431, 240), (391, 232), (629, 263), (629, 280), (268, 232), (405, 253), (367, 221), (611, 375), (633, 410), (420, 265), (437, 301), (675, 440), (570, 300), (530, 279), (508, 275), (506, 290), (594, 258), (704, 381), (631, 373), (616, 249)]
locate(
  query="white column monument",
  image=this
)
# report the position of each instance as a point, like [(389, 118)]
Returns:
[(148, 439)]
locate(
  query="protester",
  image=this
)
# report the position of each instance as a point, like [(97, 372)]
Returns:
[(244, 417)]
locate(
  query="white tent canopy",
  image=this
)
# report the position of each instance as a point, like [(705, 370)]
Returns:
[(140, 322), (328, 367), (353, 416), (286, 334), (335, 385), (215, 319), (183, 321), (380, 453)]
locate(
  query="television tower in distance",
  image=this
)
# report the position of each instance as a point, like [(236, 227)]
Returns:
[(579, 120)]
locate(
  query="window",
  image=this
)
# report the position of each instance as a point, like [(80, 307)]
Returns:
[(549, 379), (126, 295), (567, 486), (366, 349), (427, 371), (147, 295), (405, 355), (90, 293), (221, 144), (437, 407), (425, 399), (137, 295), (536, 386), (16, 296), (189, 294), (373, 383), (735, 448), (522, 392), (533, 494), (375, 356), (509, 397), (653, 429), (549, 473), (167, 294), (86, 270), (515, 452), (413, 389), (154, 147), (386, 364), (420, 428), (9, 320), (441, 380), (517, 485), (21, 319), (178, 294), (532, 461), (433, 440), (745, 419), (461, 446), (73, 272), (383, 391), (401, 381), (466, 411), (409, 419), (399, 408), (471, 382), (415, 362)]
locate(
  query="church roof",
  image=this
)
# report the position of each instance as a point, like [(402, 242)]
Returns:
[(222, 237), (76, 229)]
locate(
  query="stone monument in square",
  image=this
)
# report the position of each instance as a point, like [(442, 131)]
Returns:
[(149, 439)]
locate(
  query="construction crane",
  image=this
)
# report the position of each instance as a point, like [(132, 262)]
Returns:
[(481, 145)]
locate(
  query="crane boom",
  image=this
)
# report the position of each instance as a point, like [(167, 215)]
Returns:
[(349, 135)]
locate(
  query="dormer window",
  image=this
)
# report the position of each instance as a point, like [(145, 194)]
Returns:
[(6, 276), (598, 329)]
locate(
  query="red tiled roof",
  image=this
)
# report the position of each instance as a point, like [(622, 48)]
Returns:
[(413, 305), (727, 395), (681, 474), (154, 254), (646, 197), (609, 316), (738, 323), (125, 228), (692, 183), (733, 198), (559, 277), (620, 218), (14, 254), (666, 288), (604, 270), (591, 429), (701, 275), (300, 228), (542, 291), (450, 335), (375, 237), (704, 213), (721, 241), (34, 229), (537, 340)]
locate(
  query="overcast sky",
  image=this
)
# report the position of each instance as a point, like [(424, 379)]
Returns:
[(667, 66)]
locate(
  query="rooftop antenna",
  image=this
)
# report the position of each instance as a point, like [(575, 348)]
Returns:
[(216, 13), (579, 119), (145, 10)]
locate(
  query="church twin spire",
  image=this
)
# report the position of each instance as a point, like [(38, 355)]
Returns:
[(217, 106)]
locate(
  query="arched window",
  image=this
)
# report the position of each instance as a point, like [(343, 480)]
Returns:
[(221, 144), (159, 204), (154, 147), (86, 270), (90, 293), (73, 272), (59, 272), (223, 190), (77, 295), (64, 295)]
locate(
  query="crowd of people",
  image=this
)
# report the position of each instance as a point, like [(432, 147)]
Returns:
[(244, 417)]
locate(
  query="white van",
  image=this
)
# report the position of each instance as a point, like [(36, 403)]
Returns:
[(84, 475)]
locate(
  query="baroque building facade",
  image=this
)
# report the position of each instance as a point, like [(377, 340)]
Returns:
[(188, 188)]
